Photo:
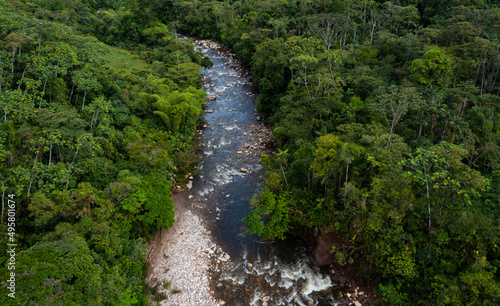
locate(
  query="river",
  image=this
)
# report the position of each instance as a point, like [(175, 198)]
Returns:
[(282, 272)]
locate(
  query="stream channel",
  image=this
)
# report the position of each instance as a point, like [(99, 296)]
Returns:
[(282, 272)]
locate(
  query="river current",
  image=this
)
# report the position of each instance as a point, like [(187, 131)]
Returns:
[(280, 272)]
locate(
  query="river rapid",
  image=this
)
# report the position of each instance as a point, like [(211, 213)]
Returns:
[(253, 272)]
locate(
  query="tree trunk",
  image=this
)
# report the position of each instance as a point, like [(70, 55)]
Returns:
[(43, 91), (31, 181), (84, 96), (444, 128), (420, 130), (22, 77), (482, 78), (372, 31), (346, 177), (71, 95), (283, 172), (33, 174), (50, 154), (463, 107), (428, 201), (76, 153), (12, 65), (60, 154), (393, 126), (96, 117), (40, 44), (67, 182)]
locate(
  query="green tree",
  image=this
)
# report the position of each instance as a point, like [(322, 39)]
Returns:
[(86, 82), (442, 173), (394, 102), (433, 70), (58, 271), (275, 211)]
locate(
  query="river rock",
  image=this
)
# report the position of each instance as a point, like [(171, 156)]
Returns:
[(189, 185), (322, 252), (356, 303), (249, 266), (244, 170), (209, 111)]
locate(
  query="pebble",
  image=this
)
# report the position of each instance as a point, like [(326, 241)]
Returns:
[(184, 267)]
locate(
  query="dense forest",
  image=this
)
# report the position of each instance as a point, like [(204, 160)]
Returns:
[(386, 115), (99, 108)]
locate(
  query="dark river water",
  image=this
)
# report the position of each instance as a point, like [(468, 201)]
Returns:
[(284, 271)]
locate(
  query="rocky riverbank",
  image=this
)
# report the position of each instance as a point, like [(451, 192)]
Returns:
[(181, 259)]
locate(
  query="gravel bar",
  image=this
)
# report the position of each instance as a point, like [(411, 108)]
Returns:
[(180, 256)]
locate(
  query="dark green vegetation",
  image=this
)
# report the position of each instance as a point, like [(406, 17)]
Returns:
[(387, 118), (92, 139)]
